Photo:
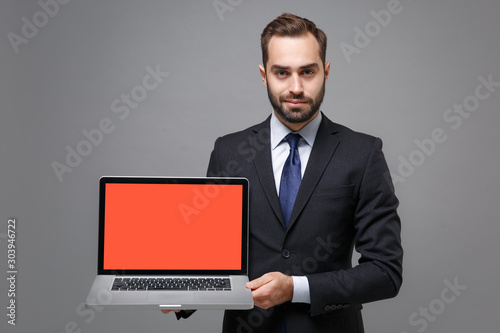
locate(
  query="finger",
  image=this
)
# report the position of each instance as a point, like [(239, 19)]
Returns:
[(168, 311), (259, 282)]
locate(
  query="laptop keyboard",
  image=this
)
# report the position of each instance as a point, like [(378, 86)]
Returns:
[(141, 284)]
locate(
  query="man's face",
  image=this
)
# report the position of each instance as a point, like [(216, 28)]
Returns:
[(295, 79)]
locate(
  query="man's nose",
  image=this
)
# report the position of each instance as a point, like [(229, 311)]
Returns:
[(296, 87)]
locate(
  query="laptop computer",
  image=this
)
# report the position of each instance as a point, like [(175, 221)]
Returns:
[(172, 243)]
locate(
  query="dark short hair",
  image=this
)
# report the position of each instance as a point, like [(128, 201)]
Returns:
[(289, 25)]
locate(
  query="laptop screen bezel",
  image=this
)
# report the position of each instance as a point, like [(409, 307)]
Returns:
[(174, 180)]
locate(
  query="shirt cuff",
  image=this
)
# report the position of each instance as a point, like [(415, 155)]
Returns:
[(301, 290)]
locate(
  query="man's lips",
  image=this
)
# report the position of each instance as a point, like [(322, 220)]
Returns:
[(295, 102)]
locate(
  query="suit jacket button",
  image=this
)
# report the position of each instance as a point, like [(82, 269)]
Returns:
[(285, 254), (328, 308)]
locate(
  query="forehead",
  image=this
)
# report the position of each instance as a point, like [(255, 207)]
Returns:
[(293, 51)]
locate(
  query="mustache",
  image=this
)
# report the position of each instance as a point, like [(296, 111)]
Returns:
[(299, 97)]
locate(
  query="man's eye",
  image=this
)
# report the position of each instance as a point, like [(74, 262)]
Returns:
[(281, 73), (308, 72)]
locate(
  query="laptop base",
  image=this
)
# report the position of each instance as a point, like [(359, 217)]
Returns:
[(102, 297)]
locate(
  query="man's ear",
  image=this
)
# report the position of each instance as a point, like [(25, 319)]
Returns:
[(327, 70), (263, 74)]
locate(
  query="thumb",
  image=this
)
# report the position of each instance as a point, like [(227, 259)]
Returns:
[(258, 282)]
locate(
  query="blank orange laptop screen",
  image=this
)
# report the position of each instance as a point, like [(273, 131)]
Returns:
[(173, 227)]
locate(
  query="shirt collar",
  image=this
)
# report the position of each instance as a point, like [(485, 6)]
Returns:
[(308, 132)]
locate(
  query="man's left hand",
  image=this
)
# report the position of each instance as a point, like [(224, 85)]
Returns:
[(271, 289)]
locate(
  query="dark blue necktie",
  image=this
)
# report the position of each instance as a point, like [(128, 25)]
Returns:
[(290, 177)]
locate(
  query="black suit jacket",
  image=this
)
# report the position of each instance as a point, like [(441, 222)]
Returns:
[(346, 199)]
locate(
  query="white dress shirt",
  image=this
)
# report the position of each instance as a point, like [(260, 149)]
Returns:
[(280, 150)]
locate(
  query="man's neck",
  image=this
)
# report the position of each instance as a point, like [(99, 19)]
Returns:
[(294, 127)]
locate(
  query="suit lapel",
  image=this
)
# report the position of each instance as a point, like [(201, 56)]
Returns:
[(324, 147), (263, 165)]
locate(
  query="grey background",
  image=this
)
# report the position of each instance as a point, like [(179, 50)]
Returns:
[(398, 87)]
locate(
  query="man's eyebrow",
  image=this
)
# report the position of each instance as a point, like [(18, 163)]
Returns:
[(280, 67), (312, 65)]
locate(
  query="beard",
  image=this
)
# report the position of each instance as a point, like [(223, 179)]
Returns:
[(300, 114)]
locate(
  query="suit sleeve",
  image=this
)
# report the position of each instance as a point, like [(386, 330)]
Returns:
[(214, 169), (377, 238), (184, 314)]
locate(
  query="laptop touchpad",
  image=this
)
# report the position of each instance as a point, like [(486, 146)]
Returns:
[(170, 297)]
